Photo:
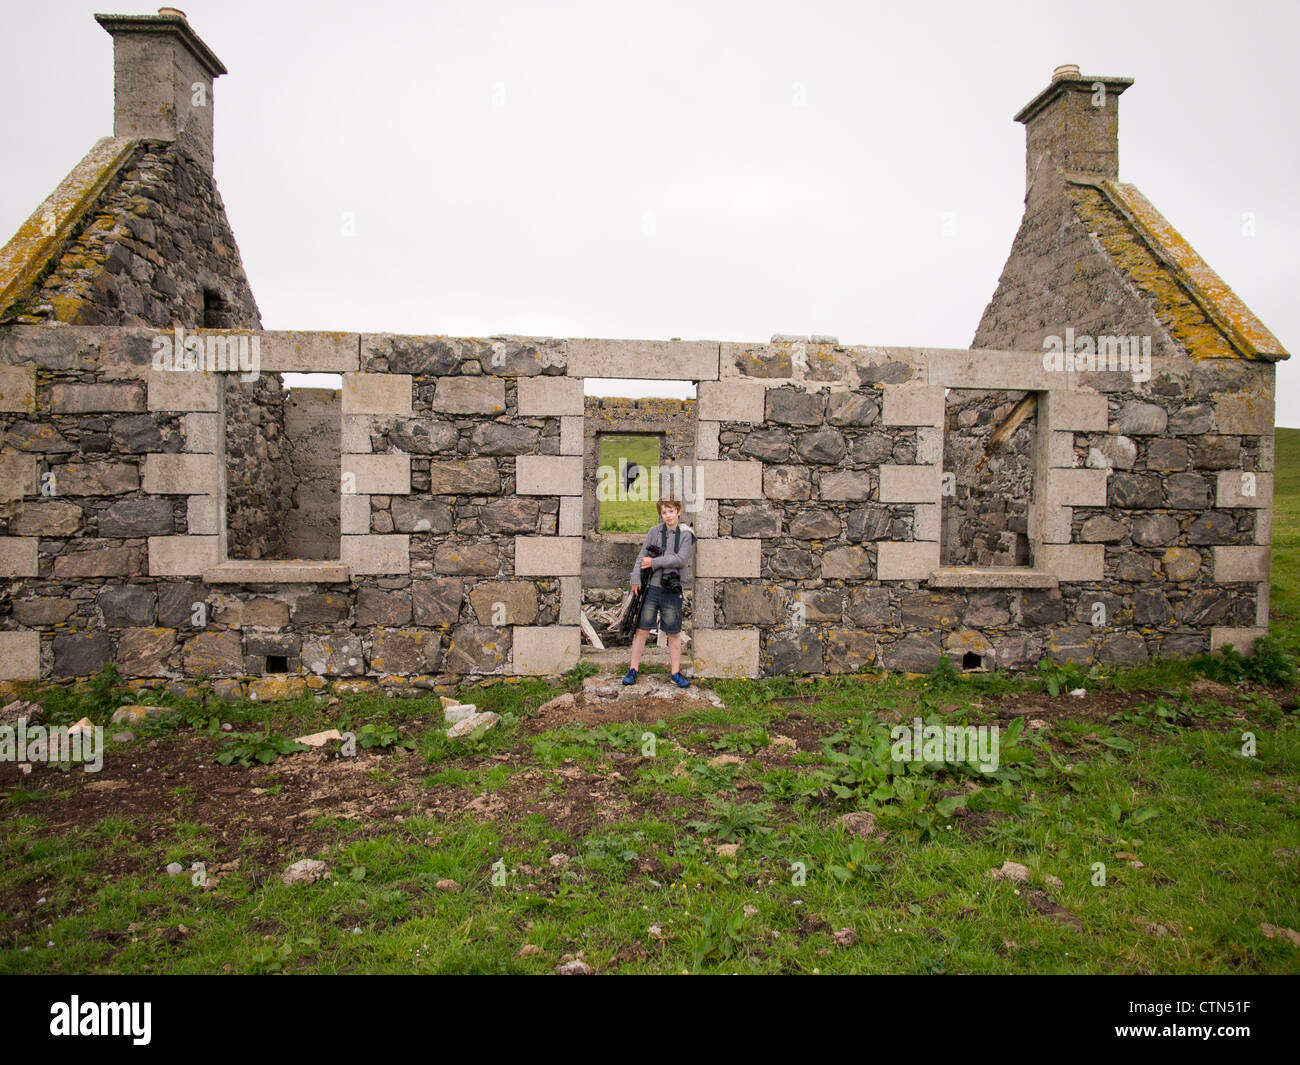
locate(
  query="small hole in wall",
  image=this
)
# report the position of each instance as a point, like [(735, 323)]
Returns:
[(970, 660), (216, 312), (277, 664)]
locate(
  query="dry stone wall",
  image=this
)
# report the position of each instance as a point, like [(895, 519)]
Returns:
[(259, 476), (816, 502), (313, 427)]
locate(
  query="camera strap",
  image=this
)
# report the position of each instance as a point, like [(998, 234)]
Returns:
[(663, 537)]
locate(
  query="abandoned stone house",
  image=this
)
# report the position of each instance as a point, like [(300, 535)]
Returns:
[(1091, 481)]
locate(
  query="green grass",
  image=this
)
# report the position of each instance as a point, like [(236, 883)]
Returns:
[(1284, 592), (1216, 833), (629, 515)]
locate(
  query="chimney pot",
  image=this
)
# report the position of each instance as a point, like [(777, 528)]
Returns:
[(1072, 126), (174, 12)]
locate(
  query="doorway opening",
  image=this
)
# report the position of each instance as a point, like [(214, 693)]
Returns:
[(639, 441)]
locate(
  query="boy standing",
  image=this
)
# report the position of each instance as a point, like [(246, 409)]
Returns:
[(664, 604)]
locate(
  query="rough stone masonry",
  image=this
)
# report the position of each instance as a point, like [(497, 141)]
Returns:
[(435, 520)]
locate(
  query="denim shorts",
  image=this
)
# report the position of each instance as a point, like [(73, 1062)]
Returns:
[(668, 607)]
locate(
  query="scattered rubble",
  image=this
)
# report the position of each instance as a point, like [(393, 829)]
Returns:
[(306, 871), (134, 714), (458, 712), (466, 725), (319, 739), (860, 824), (1011, 871), (19, 709)]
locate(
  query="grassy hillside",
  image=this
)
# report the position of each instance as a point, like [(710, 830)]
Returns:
[(1285, 592)]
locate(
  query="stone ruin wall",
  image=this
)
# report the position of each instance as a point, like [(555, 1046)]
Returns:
[(462, 535)]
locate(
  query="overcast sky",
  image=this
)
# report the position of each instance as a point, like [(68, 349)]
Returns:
[(704, 170)]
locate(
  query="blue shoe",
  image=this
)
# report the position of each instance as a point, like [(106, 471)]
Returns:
[(680, 681), (629, 677)]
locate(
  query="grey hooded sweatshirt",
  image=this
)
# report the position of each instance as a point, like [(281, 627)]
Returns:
[(677, 560)]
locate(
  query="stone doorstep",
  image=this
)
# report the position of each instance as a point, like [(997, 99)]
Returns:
[(277, 571), (616, 659), (992, 577)]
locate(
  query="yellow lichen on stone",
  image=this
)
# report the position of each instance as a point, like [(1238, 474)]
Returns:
[(1172, 305), (44, 236), (69, 309), (271, 689), (1246, 330), (1201, 313), (356, 686)]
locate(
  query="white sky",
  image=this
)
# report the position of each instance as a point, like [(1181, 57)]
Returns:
[(703, 170)]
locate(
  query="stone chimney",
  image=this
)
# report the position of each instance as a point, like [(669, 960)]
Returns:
[(162, 81), (1073, 126)]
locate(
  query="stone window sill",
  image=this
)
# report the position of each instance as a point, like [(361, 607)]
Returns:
[(621, 537), (992, 577), (277, 571)]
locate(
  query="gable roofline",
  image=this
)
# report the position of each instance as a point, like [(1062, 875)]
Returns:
[(1216, 300), (42, 240)]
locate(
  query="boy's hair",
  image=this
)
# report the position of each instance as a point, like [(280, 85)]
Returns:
[(670, 501)]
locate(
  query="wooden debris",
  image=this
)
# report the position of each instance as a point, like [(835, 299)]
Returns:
[(589, 631), (1010, 423)]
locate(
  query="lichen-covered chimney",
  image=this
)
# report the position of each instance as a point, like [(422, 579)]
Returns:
[(162, 81), (1072, 126)]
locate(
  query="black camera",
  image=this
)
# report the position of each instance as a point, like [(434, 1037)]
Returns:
[(670, 580)]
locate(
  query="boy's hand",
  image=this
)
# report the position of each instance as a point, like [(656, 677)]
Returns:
[(645, 563)]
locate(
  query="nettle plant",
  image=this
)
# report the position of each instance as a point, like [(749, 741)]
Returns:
[(1059, 677), (96, 699), (381, 734), (728, 821), (863, 773), (1269, 664), (263, 747), (746, 741)]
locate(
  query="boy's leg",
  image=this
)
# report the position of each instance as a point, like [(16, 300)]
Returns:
[(638, 646), (649, 614), (675, 652)]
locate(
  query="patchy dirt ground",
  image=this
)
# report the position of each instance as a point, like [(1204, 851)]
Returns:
[(262, 818), (607, 701)]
